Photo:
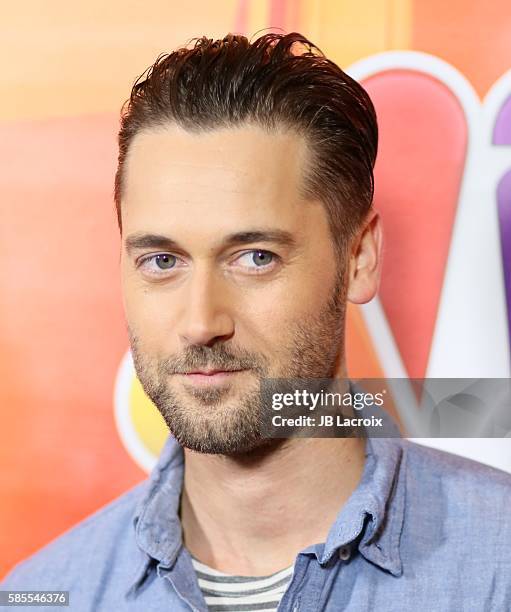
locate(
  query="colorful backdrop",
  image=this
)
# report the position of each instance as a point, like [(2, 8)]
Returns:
[(75, 427)]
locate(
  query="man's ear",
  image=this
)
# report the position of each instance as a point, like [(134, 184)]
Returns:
[(365, 260)]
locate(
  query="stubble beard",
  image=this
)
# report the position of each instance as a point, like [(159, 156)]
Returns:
[(229, 422)]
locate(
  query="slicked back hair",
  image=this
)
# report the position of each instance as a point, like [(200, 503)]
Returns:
[(278, 81)]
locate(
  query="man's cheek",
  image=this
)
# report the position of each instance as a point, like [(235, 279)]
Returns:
[(153, 318)]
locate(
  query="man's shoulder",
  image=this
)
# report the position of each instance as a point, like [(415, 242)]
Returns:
[(440, 464), (94, 537), (468, 493)]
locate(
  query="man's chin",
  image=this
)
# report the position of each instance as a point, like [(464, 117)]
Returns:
[(209, 396), (222, 429), (223, 420), (245, 450)]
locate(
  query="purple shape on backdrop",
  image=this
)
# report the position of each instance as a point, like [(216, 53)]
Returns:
[(504, 209), (502, 136), (502, 129)]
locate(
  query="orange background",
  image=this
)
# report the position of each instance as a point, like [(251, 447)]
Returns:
[(65, 70)]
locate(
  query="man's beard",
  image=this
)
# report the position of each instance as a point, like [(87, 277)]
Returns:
[(220, 421)]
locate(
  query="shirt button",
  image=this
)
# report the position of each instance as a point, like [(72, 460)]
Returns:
[(344, 553)]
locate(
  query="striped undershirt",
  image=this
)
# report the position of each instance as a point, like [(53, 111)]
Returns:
[(226, 593)]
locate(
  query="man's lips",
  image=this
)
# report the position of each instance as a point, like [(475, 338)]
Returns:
[(210, 377), (211, 372)]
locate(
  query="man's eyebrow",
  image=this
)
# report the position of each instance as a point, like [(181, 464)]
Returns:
[(139, 241), (272, 235)]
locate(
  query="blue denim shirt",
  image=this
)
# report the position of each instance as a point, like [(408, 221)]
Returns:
[(424, 530)]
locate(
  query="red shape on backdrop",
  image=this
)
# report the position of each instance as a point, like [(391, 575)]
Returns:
[(421, 158)]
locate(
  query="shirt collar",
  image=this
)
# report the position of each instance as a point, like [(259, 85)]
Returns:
[(378, 496), (372, 518), (156, 519)]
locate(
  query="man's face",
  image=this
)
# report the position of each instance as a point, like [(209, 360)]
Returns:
[(228, 277)]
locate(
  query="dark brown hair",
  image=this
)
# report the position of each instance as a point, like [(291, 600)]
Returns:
[(277, 81)]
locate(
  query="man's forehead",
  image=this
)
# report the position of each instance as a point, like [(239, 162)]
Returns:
[(244, 158), (205, 191)]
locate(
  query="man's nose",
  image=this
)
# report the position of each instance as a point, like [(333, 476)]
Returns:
[(207, 317)]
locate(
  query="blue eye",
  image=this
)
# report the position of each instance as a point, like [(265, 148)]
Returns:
[(257, 260), (165, 261), (262, 258), (162, 261)]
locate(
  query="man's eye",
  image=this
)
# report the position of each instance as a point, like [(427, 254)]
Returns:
[(257, 259), (160, 262)]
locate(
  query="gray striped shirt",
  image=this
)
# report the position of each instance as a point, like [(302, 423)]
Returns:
[(226, 593)]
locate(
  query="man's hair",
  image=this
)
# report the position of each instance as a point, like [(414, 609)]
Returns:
[(278, 81)]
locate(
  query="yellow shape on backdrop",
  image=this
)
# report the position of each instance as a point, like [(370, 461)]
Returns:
[(147, 421), (258, 15), (349, 30), (400, 24)]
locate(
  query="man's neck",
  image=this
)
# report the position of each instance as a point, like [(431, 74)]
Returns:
[(253, 515)]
